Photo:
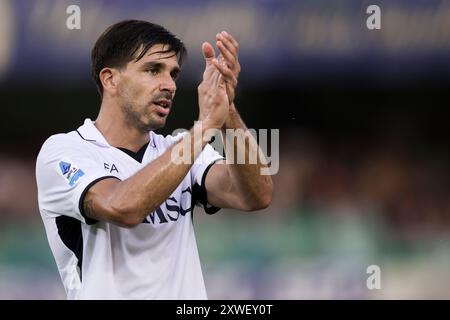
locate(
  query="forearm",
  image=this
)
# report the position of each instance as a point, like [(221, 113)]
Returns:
[(246, 177), (143, 192)]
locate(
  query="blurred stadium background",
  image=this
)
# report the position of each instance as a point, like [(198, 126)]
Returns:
[(364, 160)]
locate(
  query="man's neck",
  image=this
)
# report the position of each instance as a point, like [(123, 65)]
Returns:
[(117, 132)]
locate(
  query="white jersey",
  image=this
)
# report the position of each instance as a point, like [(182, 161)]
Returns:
[(158, 259)]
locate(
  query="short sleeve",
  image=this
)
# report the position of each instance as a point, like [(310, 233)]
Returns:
[(199, 170), (64, 172)]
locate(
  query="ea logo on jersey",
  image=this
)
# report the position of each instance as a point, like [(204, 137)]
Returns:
[(70, 172)]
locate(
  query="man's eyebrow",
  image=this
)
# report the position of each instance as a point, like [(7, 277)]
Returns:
[(154, 64), (159, 65)]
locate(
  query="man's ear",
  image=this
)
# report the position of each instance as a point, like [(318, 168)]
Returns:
[(109, 79)]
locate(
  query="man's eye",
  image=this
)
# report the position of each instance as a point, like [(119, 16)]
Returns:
[(153, 71)]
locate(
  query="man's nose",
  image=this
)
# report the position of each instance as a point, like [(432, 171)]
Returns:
[(168, 84)]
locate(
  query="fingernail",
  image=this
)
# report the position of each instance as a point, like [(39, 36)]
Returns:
[(225, 33)]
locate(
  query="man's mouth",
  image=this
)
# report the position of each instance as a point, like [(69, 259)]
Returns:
[(164, 107), (165, 103)]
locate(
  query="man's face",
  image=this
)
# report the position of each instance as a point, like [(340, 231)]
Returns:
[(146, 88)]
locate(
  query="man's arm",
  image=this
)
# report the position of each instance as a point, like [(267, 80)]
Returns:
[(239, 186), (231, 185)]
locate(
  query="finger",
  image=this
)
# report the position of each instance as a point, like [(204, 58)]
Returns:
[(226, 72), (228, 43), (229, 85), (232, 39), (226, 54), (216, 77), (222, 61), (208, 52), (230, 56)]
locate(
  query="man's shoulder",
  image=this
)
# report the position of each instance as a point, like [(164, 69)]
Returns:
[(62, 139), (61, 142)]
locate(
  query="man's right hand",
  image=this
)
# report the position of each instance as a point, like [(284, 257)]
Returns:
[(212, 94)]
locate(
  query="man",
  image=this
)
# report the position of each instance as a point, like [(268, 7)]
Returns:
[(115, 197)]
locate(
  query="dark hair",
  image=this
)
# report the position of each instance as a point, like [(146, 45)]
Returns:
[(119, 43)]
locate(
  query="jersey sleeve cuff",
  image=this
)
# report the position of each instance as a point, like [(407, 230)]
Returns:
[(88, 220), (203, 194)]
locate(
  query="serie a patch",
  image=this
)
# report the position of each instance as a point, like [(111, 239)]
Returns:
[(71, 172)]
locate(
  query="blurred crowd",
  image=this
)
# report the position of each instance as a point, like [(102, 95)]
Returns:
[(18, 192), (406, 188)]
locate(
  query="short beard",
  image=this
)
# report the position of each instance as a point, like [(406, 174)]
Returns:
[(133, 119)]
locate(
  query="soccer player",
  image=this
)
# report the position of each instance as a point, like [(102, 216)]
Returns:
[(116, 198)]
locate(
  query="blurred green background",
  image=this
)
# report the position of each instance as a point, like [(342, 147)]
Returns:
[(364, 173)]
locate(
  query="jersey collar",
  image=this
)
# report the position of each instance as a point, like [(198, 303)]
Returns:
[(89, 132)]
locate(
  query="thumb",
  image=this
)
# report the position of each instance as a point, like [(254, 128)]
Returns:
[(208, 52)]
